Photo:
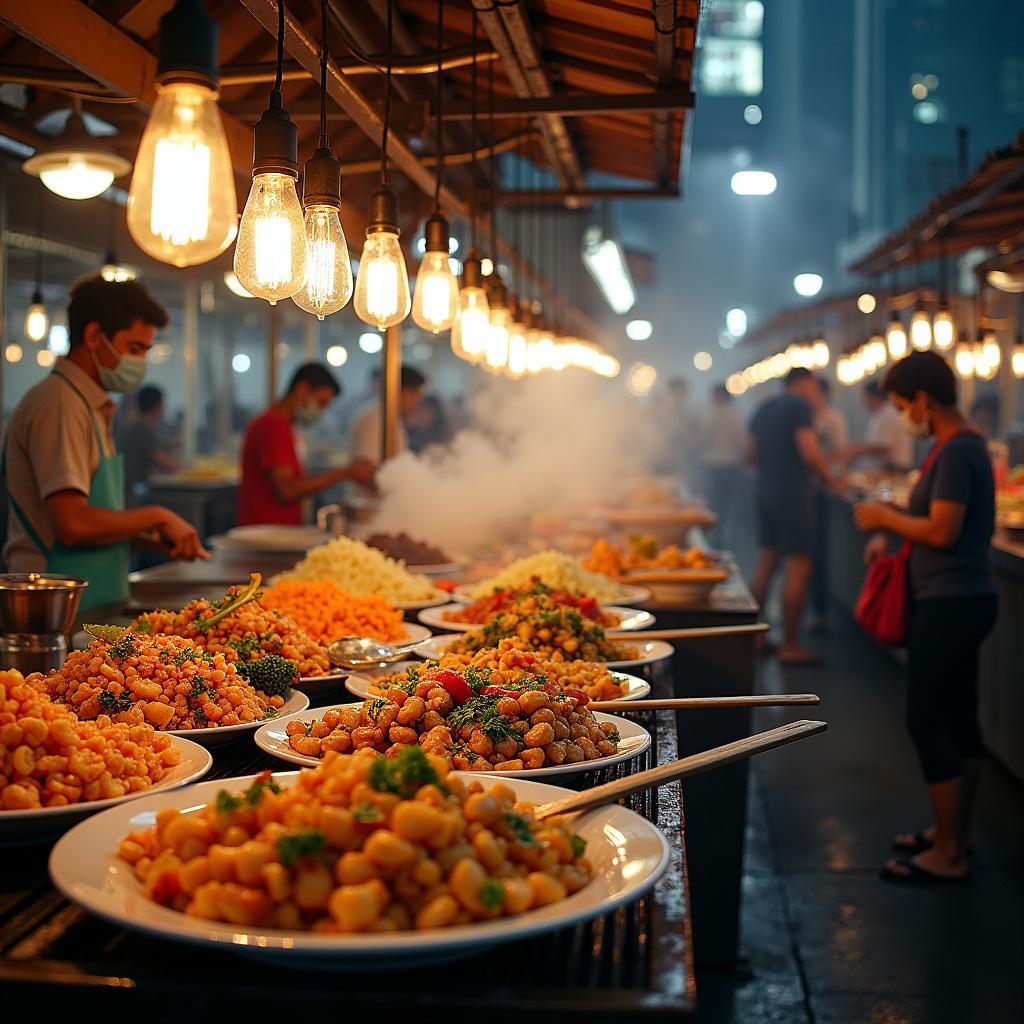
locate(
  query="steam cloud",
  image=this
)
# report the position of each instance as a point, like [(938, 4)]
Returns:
[(553, 445)]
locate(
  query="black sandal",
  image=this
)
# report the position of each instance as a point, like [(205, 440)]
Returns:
[(917, 875), (919, 842)]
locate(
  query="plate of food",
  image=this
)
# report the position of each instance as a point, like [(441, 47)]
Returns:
[(280, 539), (304, 744), (171, 684), (630, 656), (508, 666), (360, 569), (64, 769), (437, 597), (418, 555), (117, 866)]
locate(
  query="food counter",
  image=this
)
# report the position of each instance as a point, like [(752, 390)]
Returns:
[(636, 961), (1002, 696), (211, 506)]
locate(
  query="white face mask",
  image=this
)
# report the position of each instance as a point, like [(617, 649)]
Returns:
[(913, 428)]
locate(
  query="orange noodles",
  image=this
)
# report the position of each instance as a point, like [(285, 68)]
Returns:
[(326, 612)]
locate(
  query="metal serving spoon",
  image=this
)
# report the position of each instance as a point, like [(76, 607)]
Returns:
[(365, 652)]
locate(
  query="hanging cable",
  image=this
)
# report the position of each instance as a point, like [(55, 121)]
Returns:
[(440, 99), (324, 141), (491, 162), (472, 143), (275, 95), (387, 99)]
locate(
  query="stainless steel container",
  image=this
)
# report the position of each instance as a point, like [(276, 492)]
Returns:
[(37, 610)]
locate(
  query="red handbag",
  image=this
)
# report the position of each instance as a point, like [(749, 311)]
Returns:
[(883, 605)]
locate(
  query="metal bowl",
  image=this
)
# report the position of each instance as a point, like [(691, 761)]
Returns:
[(39, 602)]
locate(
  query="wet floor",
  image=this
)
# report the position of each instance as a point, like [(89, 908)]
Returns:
[(827, 942)]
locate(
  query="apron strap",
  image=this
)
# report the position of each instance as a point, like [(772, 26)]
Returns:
[(27, 526)]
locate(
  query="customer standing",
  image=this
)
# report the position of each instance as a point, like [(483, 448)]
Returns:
[(886, 445), (723, 443), (949, 525), (788, 457), (833, 436), (140, 441), (65, 479)]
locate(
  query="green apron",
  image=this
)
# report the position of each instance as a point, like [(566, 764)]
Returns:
[(106, 566)]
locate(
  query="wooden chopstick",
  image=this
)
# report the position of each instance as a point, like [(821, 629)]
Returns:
[(755, 700), (689, 633), (716, 757)]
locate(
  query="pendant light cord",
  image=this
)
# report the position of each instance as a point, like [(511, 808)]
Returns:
[(275, 95), (492, 162), (472, 145), (325, 142), (387, 101), (440, 97)]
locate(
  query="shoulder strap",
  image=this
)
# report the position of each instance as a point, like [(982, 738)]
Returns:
[(33, 534), (936, 449), (100, 440)]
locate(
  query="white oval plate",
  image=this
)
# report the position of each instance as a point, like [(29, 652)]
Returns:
[(46, 822), (650, 651), (629, 618), (635, 739), (216, 735), (439, 597), (629, 593), (287, 539), (627, 852), (444, 570), (359, 684)]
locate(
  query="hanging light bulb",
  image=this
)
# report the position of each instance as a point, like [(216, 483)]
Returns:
[(896, 337), (496, 355), (470, 329), (963, 357), (37, 321), (270, 254), (1017, 358), (382, 285), (182, 207), (991, 349), (944, 329), (328, 285), (114, 270), (75, 165), (920, 328), (435, 304)]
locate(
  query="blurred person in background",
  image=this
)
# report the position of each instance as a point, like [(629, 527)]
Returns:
[(428, 424), (366, 434), (949, 524), (886, 444), (985, 415), (723, 445), (274, 484), (65, 478), (833, 436), (140, 440), (785, 450), (682, 425)]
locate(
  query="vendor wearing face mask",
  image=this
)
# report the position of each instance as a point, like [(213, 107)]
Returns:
[(273, 483), (64, 477)]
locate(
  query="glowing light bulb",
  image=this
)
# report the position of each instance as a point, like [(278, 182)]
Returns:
[(435, 304), (471, 326), (1016, 360), (496, 355), (328, 284), (37, 321), (991, 351), (963, 361), (896, 338), (943, 329), (13, 352), (181, 202), (270, 256), (921, 329), (382, 286), (820, 354)]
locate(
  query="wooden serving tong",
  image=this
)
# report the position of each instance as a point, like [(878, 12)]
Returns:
[(716, 757), (688, 633)]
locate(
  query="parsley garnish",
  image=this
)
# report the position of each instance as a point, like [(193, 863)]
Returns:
[(304, 842), (254, 794), (579, 846), (367, 813), (373, 708), (227, 803), (613, 736), (520, 828), (483, 709), (403, 774), (492, 893)]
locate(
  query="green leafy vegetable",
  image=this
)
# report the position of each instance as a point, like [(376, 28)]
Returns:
[(367, 813), (403, 774), (520, 828), (492, 893), (271, 674), (579, 846), (254, 794), (227, 803), (303, 842)]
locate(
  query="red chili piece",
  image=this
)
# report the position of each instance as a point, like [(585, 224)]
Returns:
[(457, 687)]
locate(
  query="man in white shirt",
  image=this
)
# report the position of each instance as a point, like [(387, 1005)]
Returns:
[(887, 444), (366, 433), (723, 443)]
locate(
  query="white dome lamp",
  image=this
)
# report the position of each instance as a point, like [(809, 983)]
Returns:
[(76, 165)]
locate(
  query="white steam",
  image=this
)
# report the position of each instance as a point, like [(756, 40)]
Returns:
[(552, 445)]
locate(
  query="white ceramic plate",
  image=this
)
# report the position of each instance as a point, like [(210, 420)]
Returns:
[(220, 734), (629, 593), (289, 539), (439, 597), (45, 822), (359, 684), (445, 570), (627, 852), (635, 739), (629, 618), (650, 651)]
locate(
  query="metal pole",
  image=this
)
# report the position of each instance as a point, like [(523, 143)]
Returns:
[(3, 292), (273, 334), (391, 384), (188, 439), (226, 407), (311, 339)]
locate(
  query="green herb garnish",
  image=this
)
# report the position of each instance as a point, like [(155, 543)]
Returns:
[(304, 842), (373, 708), (492, 893), (579, 846), (403, 774), (366, 813), (520, 828), (254, 794), (227, 803)]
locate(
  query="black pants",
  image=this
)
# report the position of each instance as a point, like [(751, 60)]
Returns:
[(942, 677)]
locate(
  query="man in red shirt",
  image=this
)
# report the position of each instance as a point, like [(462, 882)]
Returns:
[(273, 483)]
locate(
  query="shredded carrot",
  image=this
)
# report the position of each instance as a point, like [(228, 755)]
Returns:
[(326, 612)]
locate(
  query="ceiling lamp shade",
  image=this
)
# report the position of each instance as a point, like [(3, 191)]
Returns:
[(182, 207), (75, 165)]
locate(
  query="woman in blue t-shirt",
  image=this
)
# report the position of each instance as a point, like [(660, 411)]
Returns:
[(949, 524)]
